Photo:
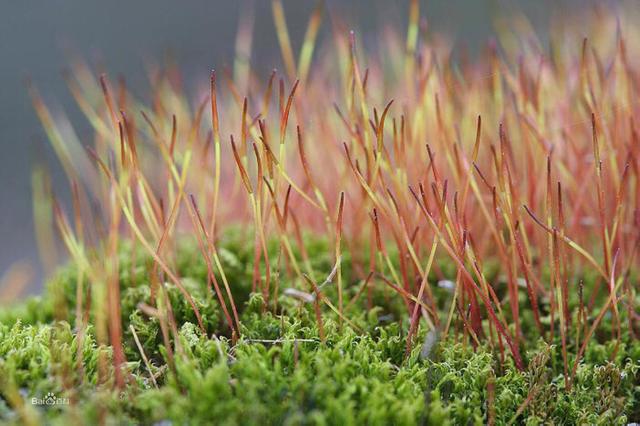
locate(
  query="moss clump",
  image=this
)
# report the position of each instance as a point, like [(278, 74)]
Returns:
[(280, 372)]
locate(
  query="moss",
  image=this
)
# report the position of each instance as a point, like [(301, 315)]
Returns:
[(280, 372), (31, 311)]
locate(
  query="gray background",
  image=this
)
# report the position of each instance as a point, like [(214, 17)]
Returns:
[(36, 35)]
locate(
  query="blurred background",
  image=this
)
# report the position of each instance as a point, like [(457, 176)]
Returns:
[(38, 39)]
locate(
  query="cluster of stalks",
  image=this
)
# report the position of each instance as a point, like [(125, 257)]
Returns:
[(400, 153)]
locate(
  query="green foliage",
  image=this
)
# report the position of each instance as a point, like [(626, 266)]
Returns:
[(281, 372)]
